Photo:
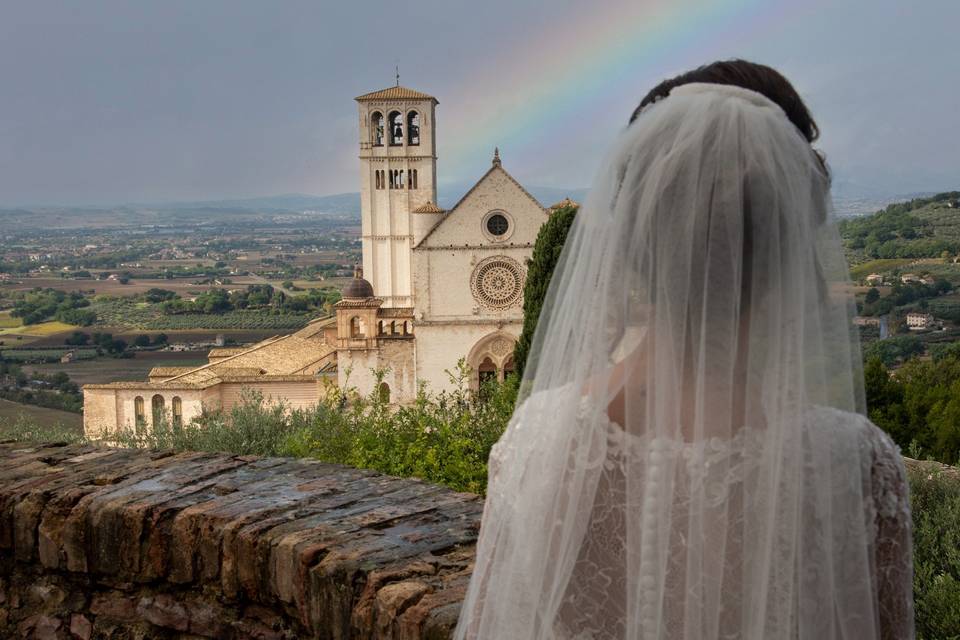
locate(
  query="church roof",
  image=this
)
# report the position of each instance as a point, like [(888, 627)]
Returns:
[(430, 207), (566, 202), (496, 166), (395, 93)]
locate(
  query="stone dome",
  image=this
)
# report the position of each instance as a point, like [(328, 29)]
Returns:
[(358, 287)]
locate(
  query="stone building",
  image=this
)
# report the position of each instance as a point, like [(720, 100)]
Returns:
[(436, 286)]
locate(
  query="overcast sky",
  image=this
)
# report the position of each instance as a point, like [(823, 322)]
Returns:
[(108, 101)]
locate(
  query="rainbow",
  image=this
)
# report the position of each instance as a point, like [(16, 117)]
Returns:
[(552, 77)]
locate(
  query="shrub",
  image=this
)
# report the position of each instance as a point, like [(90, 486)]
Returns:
[(935, 500), (443, 438)]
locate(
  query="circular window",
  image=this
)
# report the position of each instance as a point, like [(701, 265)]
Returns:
[(497, 282), (497, 224)]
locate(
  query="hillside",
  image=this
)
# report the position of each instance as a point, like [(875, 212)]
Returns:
[(921, 228)]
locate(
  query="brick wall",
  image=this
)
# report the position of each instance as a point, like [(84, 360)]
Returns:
[(111, 543)]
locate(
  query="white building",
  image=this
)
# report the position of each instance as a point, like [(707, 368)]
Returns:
[(917, 321), (441, 286)]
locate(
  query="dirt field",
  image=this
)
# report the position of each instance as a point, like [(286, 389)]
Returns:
[(10, 412)]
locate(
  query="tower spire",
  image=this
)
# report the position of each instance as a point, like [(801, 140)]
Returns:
[(398, 75), (496, 156)]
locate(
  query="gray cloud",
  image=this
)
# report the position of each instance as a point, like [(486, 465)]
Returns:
[(107, 101)]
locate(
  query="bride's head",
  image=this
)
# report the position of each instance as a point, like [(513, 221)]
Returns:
[(748, 75), (717, 211)]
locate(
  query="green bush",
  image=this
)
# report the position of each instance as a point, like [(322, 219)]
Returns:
[(935, 500), (443, 438)]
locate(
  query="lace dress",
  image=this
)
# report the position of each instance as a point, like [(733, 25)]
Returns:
[(598, 605)]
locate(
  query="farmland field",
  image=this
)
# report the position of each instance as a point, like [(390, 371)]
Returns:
[(233, 336), (121, 369), (183, 286), (33, 354), (10, 412), (118, 312), (40, 329), (9, 322)]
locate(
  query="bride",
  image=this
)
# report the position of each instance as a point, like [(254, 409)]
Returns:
[(689, 459)]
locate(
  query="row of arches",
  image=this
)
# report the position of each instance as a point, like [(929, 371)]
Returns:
[(489, 370), (395, 179), (158, 411), (393, 132), (385, 328)]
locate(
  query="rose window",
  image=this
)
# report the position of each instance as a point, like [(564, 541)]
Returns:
[(497, 282)]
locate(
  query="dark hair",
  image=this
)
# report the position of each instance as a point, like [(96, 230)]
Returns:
[(749, 75)]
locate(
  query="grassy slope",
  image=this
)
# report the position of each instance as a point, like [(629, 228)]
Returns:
[(10, 412)]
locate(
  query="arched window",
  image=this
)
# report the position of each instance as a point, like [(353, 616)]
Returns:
[(413, 178), (384, 391), (400, 178), (376, 177), (138, 415), (376, 122), (413, 128), (177, 406), (356, 331), (487, 370), (156, 404), (392, 175), (508, 367), (383, 179), (395, 122)]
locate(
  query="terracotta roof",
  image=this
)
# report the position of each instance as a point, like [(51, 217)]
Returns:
[(566, 202), (224, 352), (428, 208), (268, 378), (296, 356), (147, 386), (160, 372), (395, 93)]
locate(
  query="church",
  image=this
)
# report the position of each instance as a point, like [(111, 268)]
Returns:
[(436, 286)]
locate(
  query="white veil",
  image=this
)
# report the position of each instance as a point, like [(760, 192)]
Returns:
[(670, 471)]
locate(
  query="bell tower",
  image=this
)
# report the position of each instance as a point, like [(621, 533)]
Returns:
[(398, 173)]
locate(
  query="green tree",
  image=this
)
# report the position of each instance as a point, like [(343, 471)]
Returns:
[(546, 252), (872, 295)]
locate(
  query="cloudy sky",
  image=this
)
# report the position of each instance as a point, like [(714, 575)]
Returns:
[(107, 101)]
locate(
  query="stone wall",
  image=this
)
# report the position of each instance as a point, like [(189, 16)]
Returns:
[(111, 543)]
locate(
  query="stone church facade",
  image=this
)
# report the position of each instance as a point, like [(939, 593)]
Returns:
[(435, 286)]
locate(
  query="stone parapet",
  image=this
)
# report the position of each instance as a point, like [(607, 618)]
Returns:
[(100, 543)]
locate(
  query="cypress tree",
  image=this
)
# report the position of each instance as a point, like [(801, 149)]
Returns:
[(540, 266)]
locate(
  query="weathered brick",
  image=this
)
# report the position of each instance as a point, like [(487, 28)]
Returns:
[(133, 544)]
